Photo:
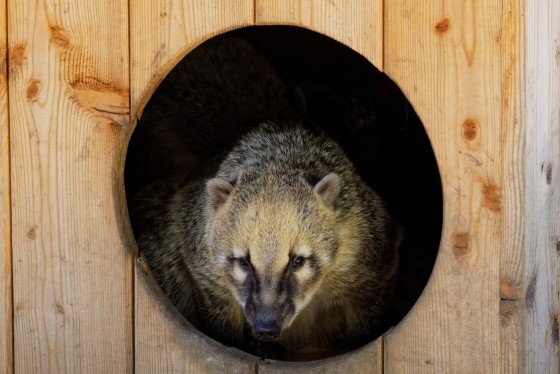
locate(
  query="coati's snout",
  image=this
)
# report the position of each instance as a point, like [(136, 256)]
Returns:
[(266, 331), (270, 299), (265, 322)]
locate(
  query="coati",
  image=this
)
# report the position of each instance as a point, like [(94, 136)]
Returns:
[(275, 245), (285, 242)]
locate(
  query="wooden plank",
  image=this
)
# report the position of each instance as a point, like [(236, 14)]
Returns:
[(541, 101), (69, 113), (358, 24), (366, 360), (512, 266), (162, 33), (446, 59), (6, 330)]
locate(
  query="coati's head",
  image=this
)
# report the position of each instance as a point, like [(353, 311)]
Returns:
[(273, 237)]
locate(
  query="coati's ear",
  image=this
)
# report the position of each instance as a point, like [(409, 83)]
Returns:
[(328, 188), (218, 191)]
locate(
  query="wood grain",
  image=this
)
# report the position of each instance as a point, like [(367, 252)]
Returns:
[(6, 352), (541, 117), (483, 76), (358, 24), (69, 110), (446, 59), (512, 252), (162, 33)]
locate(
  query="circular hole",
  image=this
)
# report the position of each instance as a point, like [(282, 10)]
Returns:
[(224, 89)]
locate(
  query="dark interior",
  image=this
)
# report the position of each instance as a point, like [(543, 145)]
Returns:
[(367, 114)]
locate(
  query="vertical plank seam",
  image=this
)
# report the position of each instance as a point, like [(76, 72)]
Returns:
[(132, 300), (254, 12), (382, 69), (382, 348), (500, 347), (10, 259), (382, 59)]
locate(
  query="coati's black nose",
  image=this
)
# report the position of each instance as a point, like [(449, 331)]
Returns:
[(266, 330)]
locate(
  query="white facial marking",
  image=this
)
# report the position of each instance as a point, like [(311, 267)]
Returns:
[(304, 273), (239, 253), (239, 274), (303, 251)]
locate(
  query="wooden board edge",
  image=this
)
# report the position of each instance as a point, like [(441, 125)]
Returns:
[(6, 306)]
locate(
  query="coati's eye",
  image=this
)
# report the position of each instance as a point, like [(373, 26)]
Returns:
[(298, 262), (243, 263)]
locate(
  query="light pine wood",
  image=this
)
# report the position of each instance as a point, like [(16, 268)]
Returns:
[(358, 24), (69, 110), (541, 121), (6, 353), (483, 76), (164, 31), (366, 360), (512, 269), (447, 60)]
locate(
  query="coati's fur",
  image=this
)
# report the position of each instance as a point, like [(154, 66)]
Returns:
[(286, 234), (280, 239)]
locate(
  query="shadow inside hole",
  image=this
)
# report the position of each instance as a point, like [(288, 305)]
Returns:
[(355, 104)]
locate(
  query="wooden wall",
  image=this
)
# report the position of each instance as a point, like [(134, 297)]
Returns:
[(483, 76), (69, 118), (448, 61)]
